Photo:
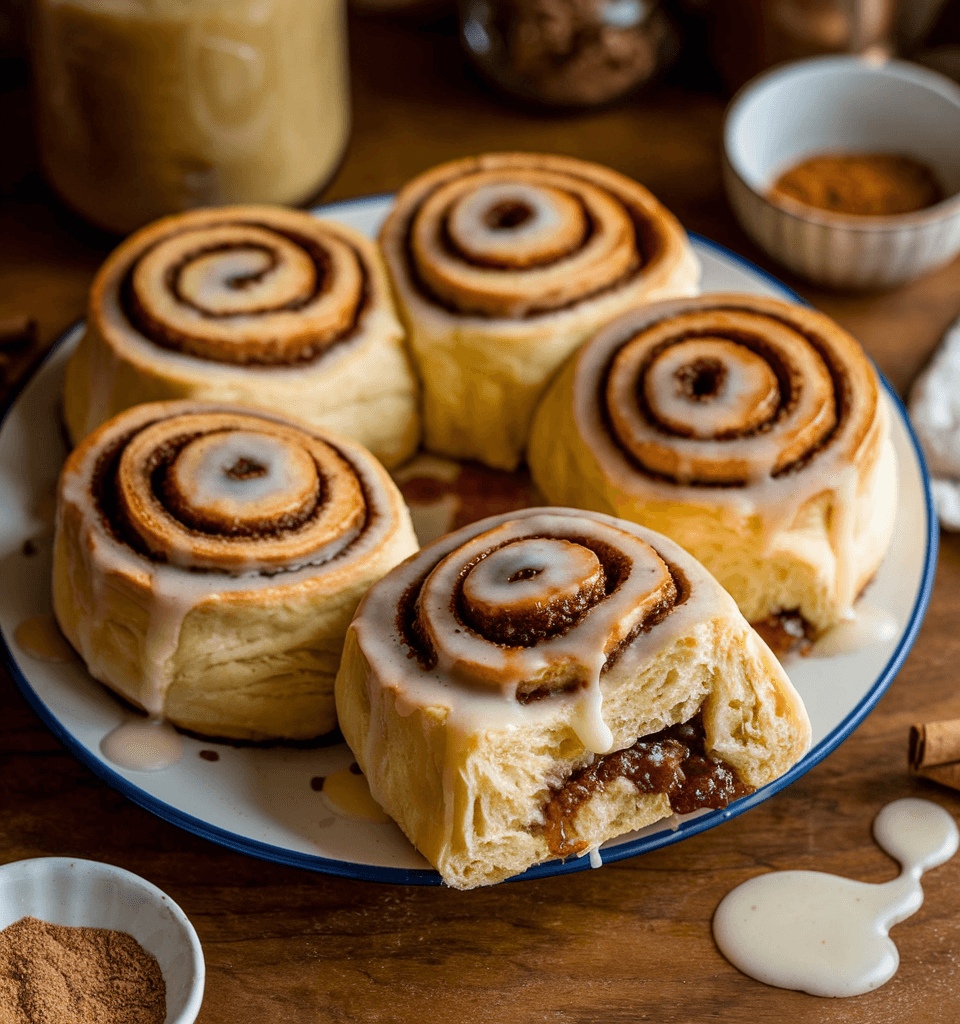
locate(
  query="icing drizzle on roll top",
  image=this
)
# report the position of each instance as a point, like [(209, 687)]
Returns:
[(204, 503), (246, 292), (197, 490), (537, 606), (724, 396)]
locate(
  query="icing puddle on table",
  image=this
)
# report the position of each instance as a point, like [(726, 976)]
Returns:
[(828, 935)]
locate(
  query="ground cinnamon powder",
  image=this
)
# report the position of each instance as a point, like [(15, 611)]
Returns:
[(864, 184), (53, 974)]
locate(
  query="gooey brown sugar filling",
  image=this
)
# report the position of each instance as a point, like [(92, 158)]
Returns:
[(673, 762)]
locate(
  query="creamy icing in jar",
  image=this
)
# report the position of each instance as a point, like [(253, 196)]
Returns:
[(150, 107)]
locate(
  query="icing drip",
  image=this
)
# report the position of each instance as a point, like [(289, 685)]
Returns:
[(347, 794), (869, 626), (40, 637), (167, 587), (143, 745), (827, 935)]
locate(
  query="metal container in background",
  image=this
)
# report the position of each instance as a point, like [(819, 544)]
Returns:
[(150, 107)]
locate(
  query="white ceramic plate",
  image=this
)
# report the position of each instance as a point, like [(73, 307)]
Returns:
[(260, 800)]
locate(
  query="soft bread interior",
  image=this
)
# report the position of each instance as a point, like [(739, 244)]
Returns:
[(500, 780)]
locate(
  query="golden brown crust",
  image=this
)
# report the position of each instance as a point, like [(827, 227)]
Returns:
[(273, 307), (749, 429), (464, 732), (208, 559)]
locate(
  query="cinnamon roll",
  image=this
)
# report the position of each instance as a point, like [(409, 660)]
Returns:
[(749, 430), (542, 681), (502, 265), (208, 560), (258, 305)]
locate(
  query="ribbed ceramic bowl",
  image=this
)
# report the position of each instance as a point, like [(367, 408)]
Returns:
[(86, 893), (845, 105)]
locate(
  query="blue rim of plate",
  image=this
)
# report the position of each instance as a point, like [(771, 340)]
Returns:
[(630, 848)]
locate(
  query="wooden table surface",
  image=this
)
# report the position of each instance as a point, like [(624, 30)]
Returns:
[(627, 943)]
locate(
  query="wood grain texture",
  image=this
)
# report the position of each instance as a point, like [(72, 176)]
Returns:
[(627, 943)]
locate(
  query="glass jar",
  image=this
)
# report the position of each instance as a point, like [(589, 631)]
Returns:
[(567, 53), (149, 107)]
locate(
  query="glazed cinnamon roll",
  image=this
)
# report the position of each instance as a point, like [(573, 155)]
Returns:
[(542, 681), (751, 431), (259, 305), (208, 560), (502, 265)]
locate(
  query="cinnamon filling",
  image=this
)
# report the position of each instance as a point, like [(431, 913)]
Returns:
[(308, 348), (700, 383), (701, 379), (673, 762), (786, 632), (505, 216), (647, 243)]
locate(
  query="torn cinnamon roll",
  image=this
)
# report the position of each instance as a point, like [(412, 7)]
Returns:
[(502, 265), (542, 681), (208, 560), (751, 431), (259, 305)]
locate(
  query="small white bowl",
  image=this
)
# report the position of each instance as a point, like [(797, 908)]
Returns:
[(86, 893), (845, 104)]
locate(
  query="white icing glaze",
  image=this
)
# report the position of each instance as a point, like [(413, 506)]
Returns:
[(870, 625), (744, 393), (397, 680), (40, 637), (208, 482), (173, 591), (143, 745), (828, 935), (770, 501), (546, 209), (346, 793)]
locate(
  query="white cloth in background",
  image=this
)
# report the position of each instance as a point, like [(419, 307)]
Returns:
[(935, 414)]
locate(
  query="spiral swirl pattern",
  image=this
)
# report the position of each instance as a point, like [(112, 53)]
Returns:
[(520, 235), (208, 560), (512, 244), (723, 396), (536, 606), (217, 490), (245, 291)]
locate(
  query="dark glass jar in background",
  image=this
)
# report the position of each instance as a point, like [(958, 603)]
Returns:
[(568, 53)]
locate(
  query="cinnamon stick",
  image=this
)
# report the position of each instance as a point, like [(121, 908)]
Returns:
[(935, 751)]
